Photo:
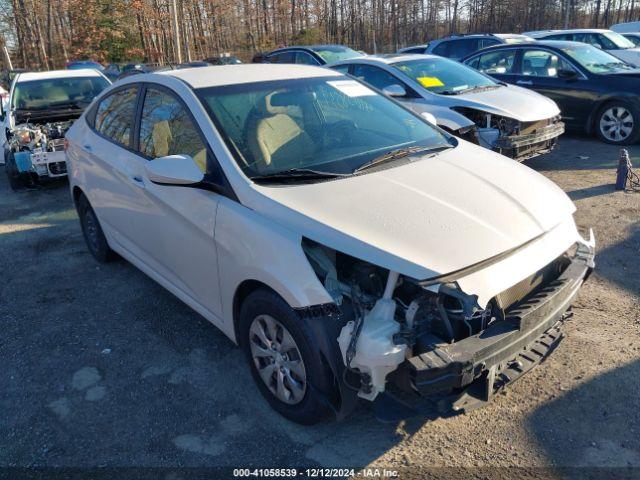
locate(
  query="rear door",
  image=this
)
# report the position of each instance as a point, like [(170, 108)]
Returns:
[(106, 150)]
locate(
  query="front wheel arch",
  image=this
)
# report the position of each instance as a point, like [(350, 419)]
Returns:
[(246, 288)]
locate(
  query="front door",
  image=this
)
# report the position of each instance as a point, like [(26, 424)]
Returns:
[(539, 71), (174, 225)]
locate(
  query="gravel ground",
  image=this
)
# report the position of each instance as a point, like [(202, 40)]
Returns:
[(102, 367)]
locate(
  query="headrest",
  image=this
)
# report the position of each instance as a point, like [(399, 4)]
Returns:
[(282, 102)]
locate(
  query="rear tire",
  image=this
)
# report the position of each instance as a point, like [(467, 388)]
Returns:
[(298, 386), (92, 232), (618, 123), (17, 180)]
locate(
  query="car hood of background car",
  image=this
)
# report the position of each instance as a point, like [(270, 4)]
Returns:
[(630, 55), (508, 100), (434, 215)]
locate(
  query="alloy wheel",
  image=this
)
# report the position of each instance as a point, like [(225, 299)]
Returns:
[(277, 359), (616, 123)]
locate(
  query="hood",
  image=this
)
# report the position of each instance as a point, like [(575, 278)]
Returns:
[(629, 55), (510, 101), (432, 216)]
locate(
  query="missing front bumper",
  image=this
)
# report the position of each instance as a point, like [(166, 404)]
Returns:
[(524, 146), (465, 375)]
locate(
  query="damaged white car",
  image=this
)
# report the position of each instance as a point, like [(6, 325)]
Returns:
[(354, 250), (511, 120), (41, 108)]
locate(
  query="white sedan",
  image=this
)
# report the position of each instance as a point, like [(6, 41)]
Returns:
[(511, 120), (350, 247)]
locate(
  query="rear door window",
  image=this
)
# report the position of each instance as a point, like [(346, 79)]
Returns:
[(487, 42), (305, 58), (461, 48), (590, 38), (561, 36), (283, 57), (500, 62), (114, 115), (375, 76), (442, 49)]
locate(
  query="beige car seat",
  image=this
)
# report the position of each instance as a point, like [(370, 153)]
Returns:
[(274, 138)]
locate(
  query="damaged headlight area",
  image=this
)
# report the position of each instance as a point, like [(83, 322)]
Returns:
[(425, 338), (515, 139), (391, 316)]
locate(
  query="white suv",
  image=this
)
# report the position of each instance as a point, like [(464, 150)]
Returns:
[(606, 40), (350, 247)]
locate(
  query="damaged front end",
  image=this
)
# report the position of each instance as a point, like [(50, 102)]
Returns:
[(513, 138), (38, 149), (427, 346)]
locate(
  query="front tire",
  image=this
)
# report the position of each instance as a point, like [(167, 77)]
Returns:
[(288, 372), (618, 123), (92, 232)]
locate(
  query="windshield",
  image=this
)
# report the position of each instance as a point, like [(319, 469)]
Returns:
[(74, 92), (596, 60), (328, 125), (619, 40), (440, 75), (335, 53)]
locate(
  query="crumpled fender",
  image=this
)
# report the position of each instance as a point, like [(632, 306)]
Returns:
[(445, 117)]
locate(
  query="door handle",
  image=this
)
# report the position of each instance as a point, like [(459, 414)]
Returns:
[(87, 148), (137, 180), (524, 82)]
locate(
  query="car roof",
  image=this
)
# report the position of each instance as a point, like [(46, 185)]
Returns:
[(218, 75), (309, 47), (387, 58), (81, 72), (508, 35), (574, 30), (559, 44)]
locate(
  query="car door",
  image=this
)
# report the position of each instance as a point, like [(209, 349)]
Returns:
[(106, 149), (173, 226), (539, 72)]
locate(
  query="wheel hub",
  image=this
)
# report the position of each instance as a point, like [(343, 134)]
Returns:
[(616, 123), (277, 359)]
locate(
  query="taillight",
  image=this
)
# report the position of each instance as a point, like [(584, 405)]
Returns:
[(66, 144)]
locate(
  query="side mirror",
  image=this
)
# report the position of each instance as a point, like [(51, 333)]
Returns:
[(395, 90), (429, 117), (174, 170), (565, 74)]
